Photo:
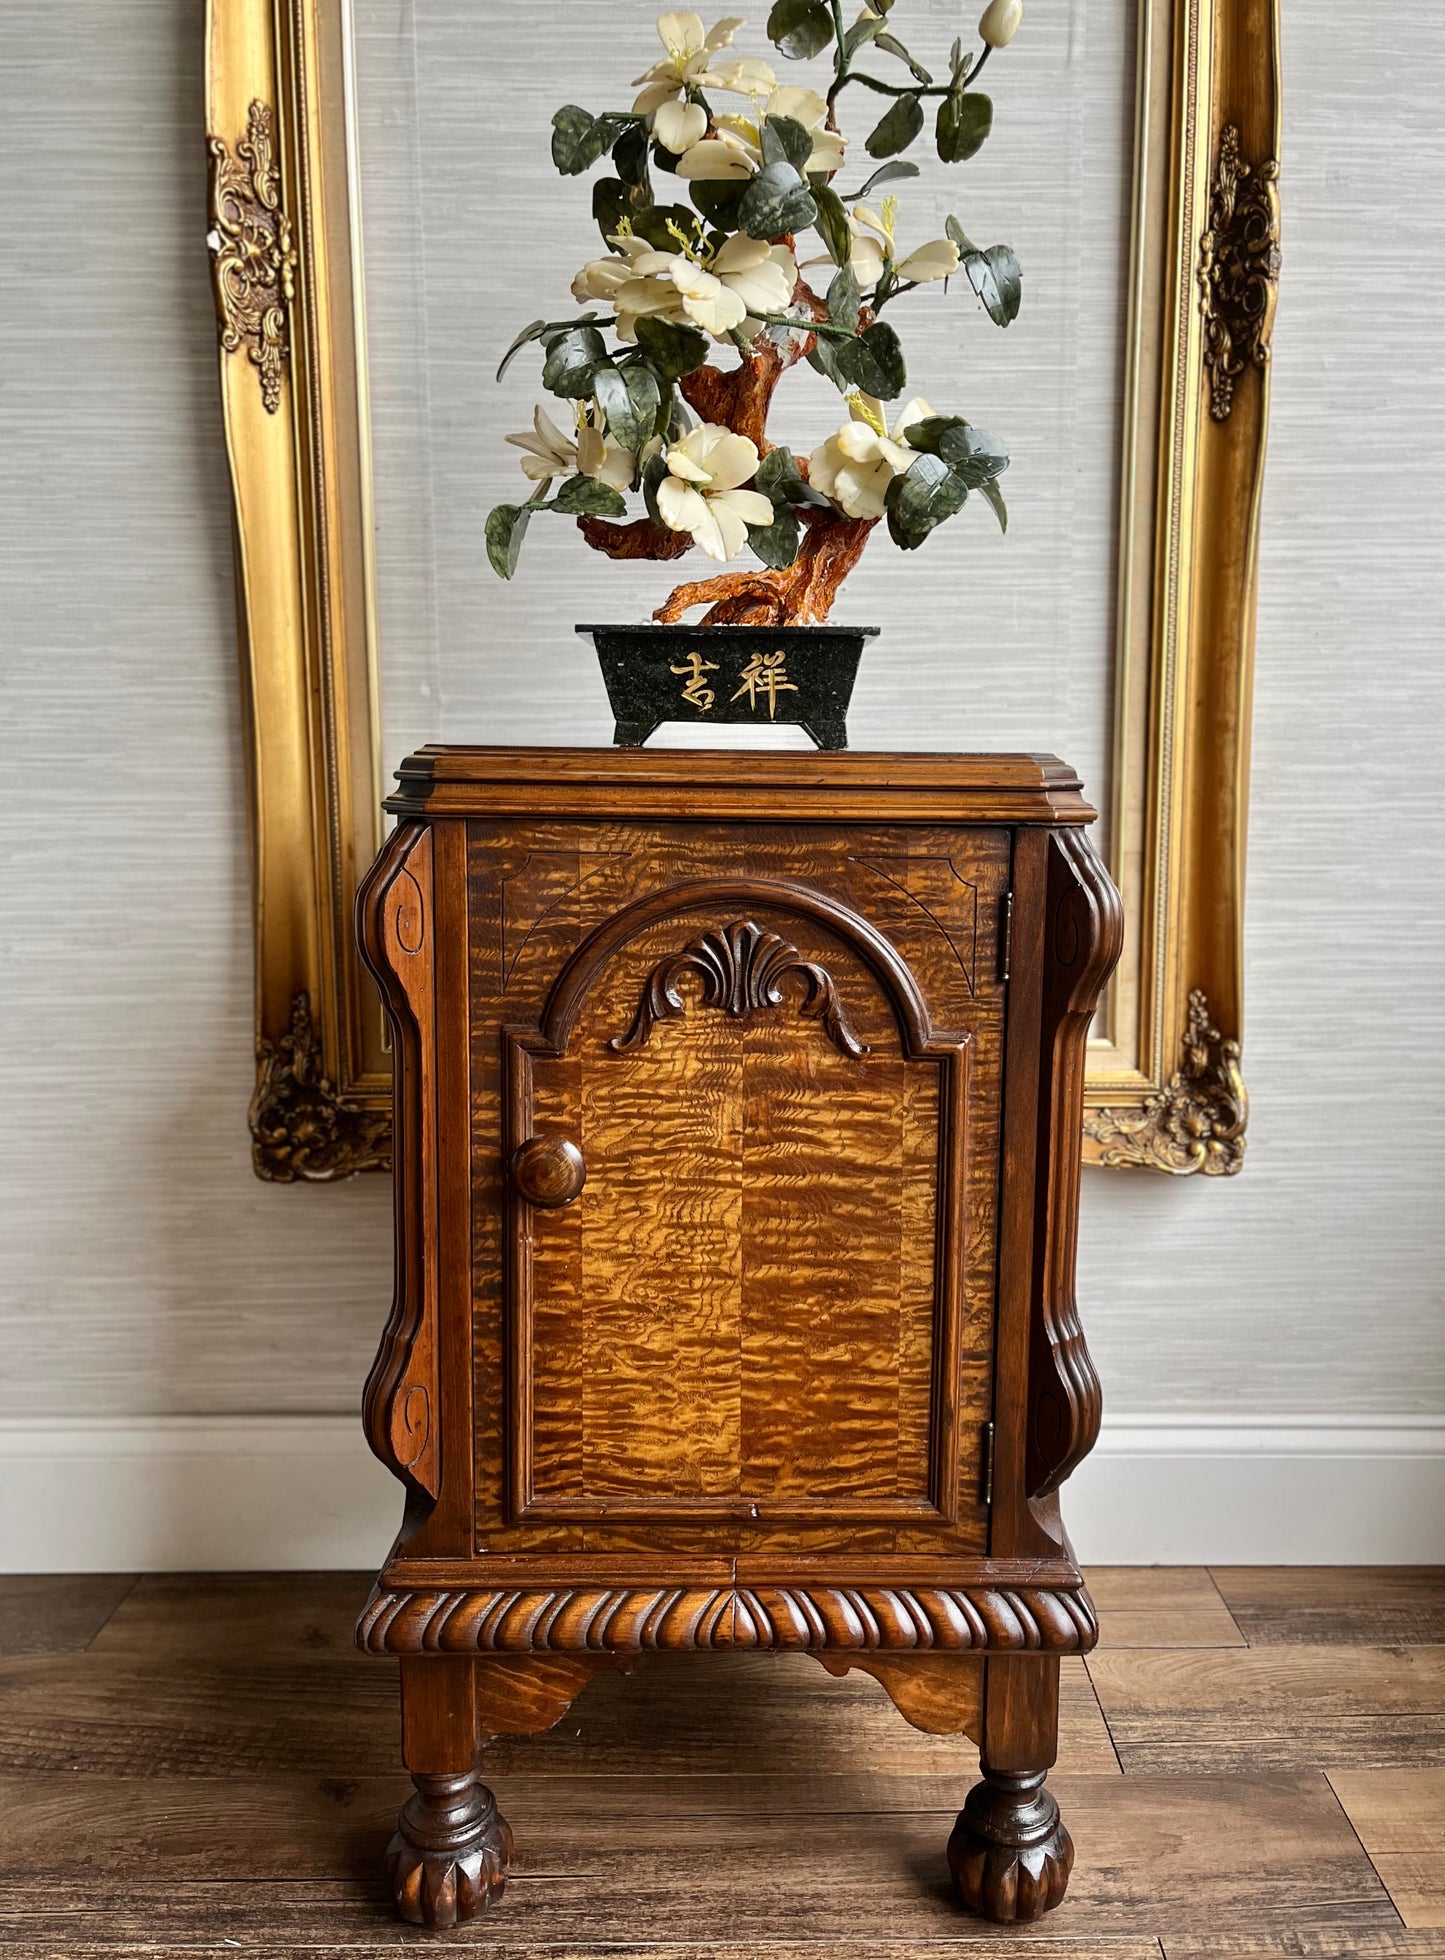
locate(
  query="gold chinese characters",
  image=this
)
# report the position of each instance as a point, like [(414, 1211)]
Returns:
[(697, 693), (766, 674), (764, 678)]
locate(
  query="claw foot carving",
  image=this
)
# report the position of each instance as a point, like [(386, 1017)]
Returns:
[(451, 1851), (1009, 1853)]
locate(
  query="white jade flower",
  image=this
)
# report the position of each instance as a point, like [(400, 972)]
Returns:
[(700, 492), (689, 63), (935, 260), (763, 276), (1000, 22), (598, 455), (678, 125), (717, 293), (803, 105), (724, 154), (856, 466), (865, 258), (874, 240), (602, 278), (546, 451)]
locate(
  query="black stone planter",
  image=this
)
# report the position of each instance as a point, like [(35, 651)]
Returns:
[(708, 675)]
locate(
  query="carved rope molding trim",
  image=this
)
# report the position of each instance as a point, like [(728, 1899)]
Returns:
[(301, 1130), (1196, 1122), (623, 1620), (253, 253), (1239, 261), (741, 967)]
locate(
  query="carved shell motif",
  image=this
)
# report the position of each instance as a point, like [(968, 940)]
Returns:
[(742, 967)]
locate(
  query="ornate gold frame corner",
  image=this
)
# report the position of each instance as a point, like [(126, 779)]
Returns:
[(1165, 1090), (286, 268)]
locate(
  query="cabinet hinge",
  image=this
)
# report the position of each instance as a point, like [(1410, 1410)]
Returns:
[(1006, 936), (988, 1463)]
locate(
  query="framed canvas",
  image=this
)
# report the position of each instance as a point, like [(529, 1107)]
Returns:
[(284, 125)]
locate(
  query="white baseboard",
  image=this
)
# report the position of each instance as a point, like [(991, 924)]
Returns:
[(193, 1494), (237, 1493), (1279, 1490)]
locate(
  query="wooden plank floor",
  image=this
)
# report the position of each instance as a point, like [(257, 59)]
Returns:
[(1252, 1765)]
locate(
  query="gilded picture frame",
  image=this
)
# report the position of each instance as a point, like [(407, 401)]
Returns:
[(1165, 1089)]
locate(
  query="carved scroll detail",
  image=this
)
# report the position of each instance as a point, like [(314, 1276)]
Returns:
[(1086, 921), (1239, 260), (301, 1130), (741, 967), (1196, 1122), (395, 913), (253, 252), (798, 1619)]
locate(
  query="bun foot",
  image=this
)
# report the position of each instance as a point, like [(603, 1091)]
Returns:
[(451, 1851), (1009, 1853)]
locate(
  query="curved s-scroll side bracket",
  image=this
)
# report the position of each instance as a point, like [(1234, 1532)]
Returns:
[(1084, 937), (395, 926)]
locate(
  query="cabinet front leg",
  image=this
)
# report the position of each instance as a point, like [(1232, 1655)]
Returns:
[(452, 1847), (1009, 1853)]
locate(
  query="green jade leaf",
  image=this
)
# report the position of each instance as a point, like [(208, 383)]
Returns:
[(630, 399), (903, 121), (673, 351), (777, 200), (997, 279), (832, 223), (782, 482), (874, 362), (572, 360), (611, 203), (890, 44), (785, 140), (533, 331), (719, 199), (973, 454), (579, 139), (654, 225), (654, 472), (800, 28), (776, 543), (964, 121), (888, 173), (506, 528), (584, 496), (845, 301), (920, 500)]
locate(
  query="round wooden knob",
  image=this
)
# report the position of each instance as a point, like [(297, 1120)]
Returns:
[(549, 1171)]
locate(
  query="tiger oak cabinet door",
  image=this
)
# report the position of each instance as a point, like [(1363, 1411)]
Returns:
[(738, 1135)]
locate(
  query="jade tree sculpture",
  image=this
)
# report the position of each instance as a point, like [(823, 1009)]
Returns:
[(771, 259)]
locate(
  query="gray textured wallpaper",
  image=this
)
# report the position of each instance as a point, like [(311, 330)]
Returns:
[(144, 1269)]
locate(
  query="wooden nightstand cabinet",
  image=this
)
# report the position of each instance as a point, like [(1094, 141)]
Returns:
[(738, 1119)]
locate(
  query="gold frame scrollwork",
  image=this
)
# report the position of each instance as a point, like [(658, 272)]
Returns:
[(1165, 1091)]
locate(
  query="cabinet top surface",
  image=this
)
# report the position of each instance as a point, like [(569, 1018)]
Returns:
[(717, 784)]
